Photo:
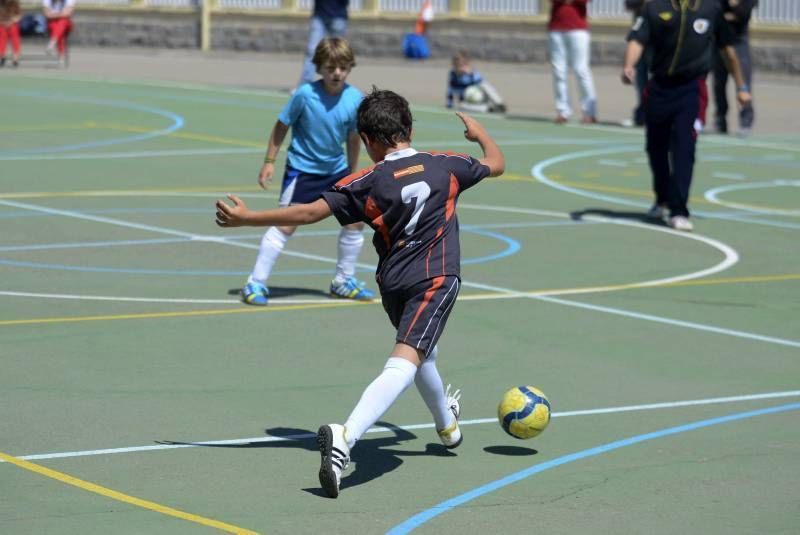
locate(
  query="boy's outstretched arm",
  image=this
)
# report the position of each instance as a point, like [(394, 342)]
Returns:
[(492, 155), (239, 215)]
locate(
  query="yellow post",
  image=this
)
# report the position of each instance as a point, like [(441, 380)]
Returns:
[(544, 8), (205, 25), (457, 8), (371, 8)]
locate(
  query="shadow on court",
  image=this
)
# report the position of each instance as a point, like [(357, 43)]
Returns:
[(372, 457), (510, 451), (286, 291), (642, 217)]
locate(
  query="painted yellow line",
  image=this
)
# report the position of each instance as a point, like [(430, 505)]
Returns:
[(734, 280), (185, 135), (42, 127), (190, 313), (103, 491), (470, 297)]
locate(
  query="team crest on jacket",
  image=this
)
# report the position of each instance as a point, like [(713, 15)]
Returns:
[(666, 16), (700, 26)]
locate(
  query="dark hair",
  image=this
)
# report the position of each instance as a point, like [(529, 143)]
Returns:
[(385, 117)]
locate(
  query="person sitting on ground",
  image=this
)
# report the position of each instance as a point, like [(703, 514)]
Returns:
[(467, 89)]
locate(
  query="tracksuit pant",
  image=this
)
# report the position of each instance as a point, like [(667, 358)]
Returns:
[(671, 108)]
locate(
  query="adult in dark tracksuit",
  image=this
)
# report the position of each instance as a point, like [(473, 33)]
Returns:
[(737, 13), (682, 35)]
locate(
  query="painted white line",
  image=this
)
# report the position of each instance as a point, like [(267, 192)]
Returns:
[(712, 195), (301, 436), (730, 255), (128, 154), (612, 163), (677, 323), (538, 173), (728, 176)]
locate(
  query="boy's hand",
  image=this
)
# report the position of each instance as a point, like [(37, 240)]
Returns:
[(231, 216), (265, 175), (472, 128)]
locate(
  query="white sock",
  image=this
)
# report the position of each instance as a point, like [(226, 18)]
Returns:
[(350, 242), (429, 384), (397, 375), (272, 244)]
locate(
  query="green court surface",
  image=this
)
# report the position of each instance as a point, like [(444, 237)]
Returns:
[(138, 395)]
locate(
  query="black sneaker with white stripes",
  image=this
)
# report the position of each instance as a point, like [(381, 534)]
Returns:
[(335, 457)]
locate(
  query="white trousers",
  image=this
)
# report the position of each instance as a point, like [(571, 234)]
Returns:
[(571, 50)]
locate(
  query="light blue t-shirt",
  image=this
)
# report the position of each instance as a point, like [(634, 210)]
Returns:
[(321, 123)]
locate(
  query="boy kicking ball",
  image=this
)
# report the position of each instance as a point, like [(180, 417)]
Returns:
[(409, 200)]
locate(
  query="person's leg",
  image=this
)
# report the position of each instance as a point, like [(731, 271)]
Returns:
[(66, 29), (272, 244), (3, 41), (579, 46), (493, 98), (558, 64), (682, 148), (337, 27), (351, 240), (657, 131), (720, 72), (419, 314), (702, 105), (642, 75), (431, 388), (316, 32), (746, 114), (16, 45)]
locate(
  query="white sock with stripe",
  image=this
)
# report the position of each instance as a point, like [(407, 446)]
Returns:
[(397, 375), (272, 244), (429, 384), (350, 243)]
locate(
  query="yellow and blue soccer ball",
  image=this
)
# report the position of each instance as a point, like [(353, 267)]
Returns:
[(524, 412)]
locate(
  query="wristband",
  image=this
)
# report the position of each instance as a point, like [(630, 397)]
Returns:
[(743, 88), (267, 159)]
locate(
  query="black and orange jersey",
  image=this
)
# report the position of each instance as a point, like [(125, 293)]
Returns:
[(409, 200)]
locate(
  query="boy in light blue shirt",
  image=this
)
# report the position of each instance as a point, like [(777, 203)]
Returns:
[(322, 116)]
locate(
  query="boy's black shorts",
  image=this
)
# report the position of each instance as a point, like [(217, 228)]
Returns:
[(420, 312)]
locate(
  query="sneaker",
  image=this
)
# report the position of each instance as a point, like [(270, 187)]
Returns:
[(335, 456), (451, 435), (50, 49), (588, 119), (656, 211), (351, 288), (680, 222), (744, 131), (255, 293), (560, 119)]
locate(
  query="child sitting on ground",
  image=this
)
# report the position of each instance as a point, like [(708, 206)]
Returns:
[(467, 89)]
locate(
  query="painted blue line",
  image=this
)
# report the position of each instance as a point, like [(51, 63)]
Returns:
[(419, 519), (177, 123), (512, 246)]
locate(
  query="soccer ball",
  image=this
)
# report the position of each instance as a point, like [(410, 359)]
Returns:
[(523, 412), (473, 95)]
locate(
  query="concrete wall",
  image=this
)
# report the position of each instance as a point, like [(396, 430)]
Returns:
[(508, 42)]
